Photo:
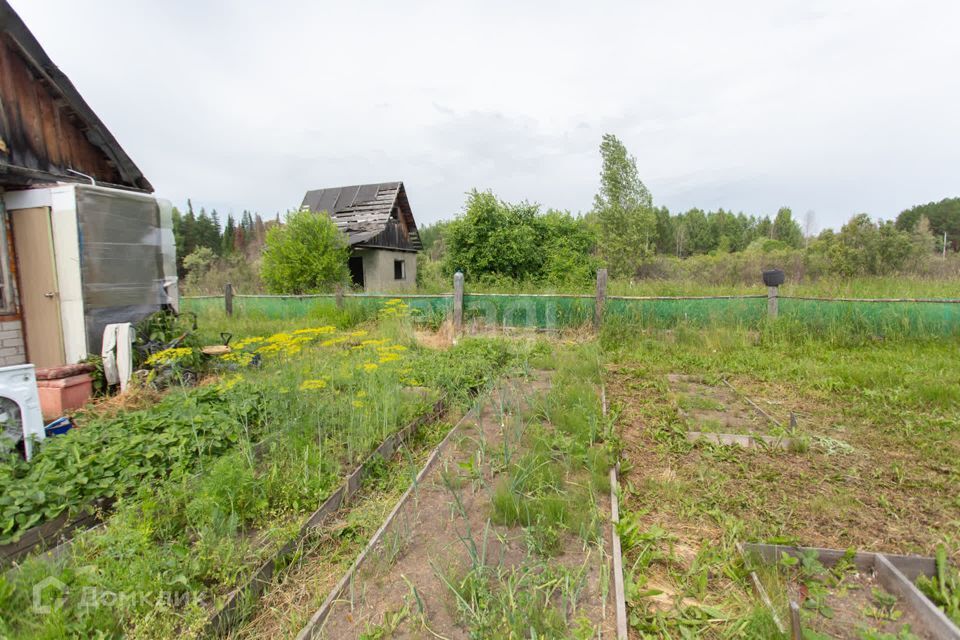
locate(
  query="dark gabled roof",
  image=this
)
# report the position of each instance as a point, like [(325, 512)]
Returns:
[(64, 95), (363, 211)]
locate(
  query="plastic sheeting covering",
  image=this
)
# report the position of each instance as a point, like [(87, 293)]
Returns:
[(123, 264)]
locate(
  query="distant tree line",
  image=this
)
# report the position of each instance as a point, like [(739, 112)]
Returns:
[(191, 232), (495, 240), (210, 254)]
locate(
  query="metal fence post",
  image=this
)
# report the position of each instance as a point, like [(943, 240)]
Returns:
[(772, 293), (601, 298), (457, 302), (228, 298)]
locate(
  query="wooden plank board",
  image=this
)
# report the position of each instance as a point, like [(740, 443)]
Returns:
[(738, 439), (930, 615), (897, 574)]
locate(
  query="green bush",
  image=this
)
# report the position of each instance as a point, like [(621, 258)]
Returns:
[(495, 240), (306, 255)]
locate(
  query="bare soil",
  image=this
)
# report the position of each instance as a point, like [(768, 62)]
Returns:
[(848, 603), (428, 539)]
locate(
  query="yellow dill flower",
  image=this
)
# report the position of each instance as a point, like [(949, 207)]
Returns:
[(246, 342), (229, 383), (310, 385), (242, 358), (372, 343), (333, 341), (357, 404), (315, 331), (369, 366), (358, 333), (388, 357), (269, 348), (361, 394), (168, 356)]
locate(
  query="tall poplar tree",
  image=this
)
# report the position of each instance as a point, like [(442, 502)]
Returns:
[(626, 219)]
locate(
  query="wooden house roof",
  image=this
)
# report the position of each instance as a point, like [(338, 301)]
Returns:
[(47, 131), (371, 215)]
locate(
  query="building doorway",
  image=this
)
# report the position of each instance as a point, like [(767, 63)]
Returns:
[(356, 270)]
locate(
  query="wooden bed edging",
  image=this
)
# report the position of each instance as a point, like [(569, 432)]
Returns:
[(230, 613), (742, 440), (315, 625), (897, 574), (55, 533), (619, 594)]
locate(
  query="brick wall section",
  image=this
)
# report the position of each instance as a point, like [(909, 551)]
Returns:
[(12, 349)]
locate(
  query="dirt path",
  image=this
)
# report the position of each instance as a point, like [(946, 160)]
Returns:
[(403, 590)]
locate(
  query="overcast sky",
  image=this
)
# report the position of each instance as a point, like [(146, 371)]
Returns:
[(825, 105)]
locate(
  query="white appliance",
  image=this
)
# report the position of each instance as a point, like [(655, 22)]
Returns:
[(20, 417)]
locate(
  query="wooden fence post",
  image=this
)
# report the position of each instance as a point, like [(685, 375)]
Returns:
[(772, 303), (228, 298), (338, 296), (601, 298), (457, 302)]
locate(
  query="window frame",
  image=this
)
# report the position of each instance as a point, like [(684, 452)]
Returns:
[(7, 295), (402, 263)]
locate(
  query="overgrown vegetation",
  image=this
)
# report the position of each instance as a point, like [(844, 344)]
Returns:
[(496, 240), (879, 419), (172, 548)]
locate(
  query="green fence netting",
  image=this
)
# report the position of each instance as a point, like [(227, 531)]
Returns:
[(295, 307), (537, 311), (700, 312), (544, 311), (877, 318)]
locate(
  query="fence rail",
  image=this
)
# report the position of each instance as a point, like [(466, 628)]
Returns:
[(919, 316)]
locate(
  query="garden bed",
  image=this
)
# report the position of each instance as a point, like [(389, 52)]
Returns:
[(229, 614), (463, 553), (828, 593), (878, 473), (718, 413)]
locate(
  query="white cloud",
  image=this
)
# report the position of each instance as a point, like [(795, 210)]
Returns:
[(837, 107)]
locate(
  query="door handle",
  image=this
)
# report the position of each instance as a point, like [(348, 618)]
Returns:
[(50, 294)]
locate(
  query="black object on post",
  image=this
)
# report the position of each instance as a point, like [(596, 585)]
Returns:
[(773, 277)]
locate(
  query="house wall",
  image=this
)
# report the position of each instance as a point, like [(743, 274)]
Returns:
[(378, 270), (36, 132), (12, 347)]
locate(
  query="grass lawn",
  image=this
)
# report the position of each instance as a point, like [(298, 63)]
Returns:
[(874, 466)]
